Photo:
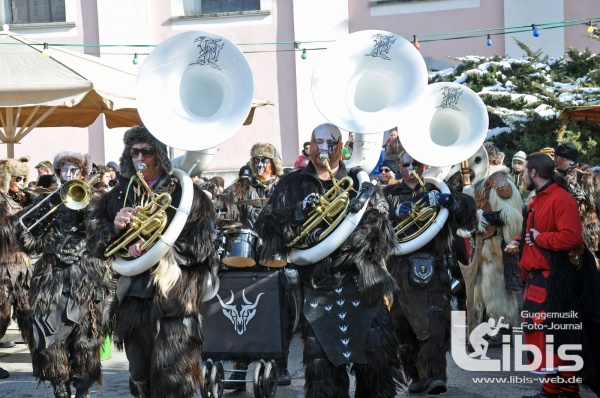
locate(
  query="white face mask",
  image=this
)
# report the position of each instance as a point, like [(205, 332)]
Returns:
[(327, 141), (68, 172), (260, 165), (408, 163)]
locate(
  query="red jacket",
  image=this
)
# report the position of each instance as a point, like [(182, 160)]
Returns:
[(301, 162), (555, 215)]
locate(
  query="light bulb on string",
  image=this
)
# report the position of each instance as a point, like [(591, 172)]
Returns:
[(46, 51), (303, 56), (590, 28), (135, 59), (489, 41), (416, 42), (536, 31)]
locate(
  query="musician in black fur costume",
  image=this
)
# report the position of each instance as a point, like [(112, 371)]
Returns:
[(421, 309), (265, 162), (345, 319), (15, 265), (156, 313), (67, 291)]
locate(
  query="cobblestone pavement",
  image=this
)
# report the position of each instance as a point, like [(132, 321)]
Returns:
[(21, 383)]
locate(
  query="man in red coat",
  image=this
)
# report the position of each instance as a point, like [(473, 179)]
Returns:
[(552, 230)]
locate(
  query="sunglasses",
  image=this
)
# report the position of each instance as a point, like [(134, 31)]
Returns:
[(384, 170), (415, 164), (148, 151), (19, 178)]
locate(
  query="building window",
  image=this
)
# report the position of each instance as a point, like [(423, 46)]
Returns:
[(36, 11), (221, 6)]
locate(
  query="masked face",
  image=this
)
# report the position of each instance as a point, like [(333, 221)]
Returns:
[(263, 167), (17, 183), (326, 139), (408, 164), (69, 172)]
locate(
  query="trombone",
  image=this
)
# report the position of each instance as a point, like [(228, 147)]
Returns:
[(75, 194)]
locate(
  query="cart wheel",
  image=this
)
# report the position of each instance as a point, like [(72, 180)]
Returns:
[(269, 381), (297, 312), (258, 378), (206, 369), (217, 374)]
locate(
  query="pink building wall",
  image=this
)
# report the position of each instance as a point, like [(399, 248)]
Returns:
[(275, 67)]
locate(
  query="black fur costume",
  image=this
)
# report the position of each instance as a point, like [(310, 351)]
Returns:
[(15, 270), (584, 185), (66, 298), (422, 314), (161, 333), (359, 263)]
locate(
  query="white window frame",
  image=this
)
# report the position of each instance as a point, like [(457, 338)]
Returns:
[(179, 9), (70, 17), (391, 7)]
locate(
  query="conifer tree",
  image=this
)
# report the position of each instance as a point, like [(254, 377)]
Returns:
[(524, 97)]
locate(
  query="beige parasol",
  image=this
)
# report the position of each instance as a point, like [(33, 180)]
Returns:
[(66, 89)]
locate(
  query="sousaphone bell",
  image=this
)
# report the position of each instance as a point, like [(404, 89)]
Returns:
[(381, 74), (193, 92)]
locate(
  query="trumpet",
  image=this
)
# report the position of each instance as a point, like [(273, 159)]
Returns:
[(332, 210), (421, 217), (75, 194), (149, 223)]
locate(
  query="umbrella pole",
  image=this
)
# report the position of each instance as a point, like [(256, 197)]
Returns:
[(9, 133)]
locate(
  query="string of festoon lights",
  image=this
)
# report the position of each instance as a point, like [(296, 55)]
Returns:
[(417, 40)]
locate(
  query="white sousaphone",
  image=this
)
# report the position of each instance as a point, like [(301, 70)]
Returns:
[(193, 92), (360, 84), (446, 125)]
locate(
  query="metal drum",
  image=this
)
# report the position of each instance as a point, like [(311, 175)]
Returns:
[(240, 249), (276, 262)]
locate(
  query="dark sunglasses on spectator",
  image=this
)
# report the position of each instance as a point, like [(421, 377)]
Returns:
[(415, 164), (19, 178), (384, 170), (148, 151)]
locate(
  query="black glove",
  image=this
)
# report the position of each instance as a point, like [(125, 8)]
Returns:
[(355, 170), (435, 198), (493, 218), (313, 237), (310, 202)]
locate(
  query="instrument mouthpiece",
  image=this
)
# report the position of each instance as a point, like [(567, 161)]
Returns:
[(141, 166), (323, 156)]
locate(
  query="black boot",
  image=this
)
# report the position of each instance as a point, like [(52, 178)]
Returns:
[(140, 389), (283, 376), (62, 390), (236, 385), (82, 393)]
